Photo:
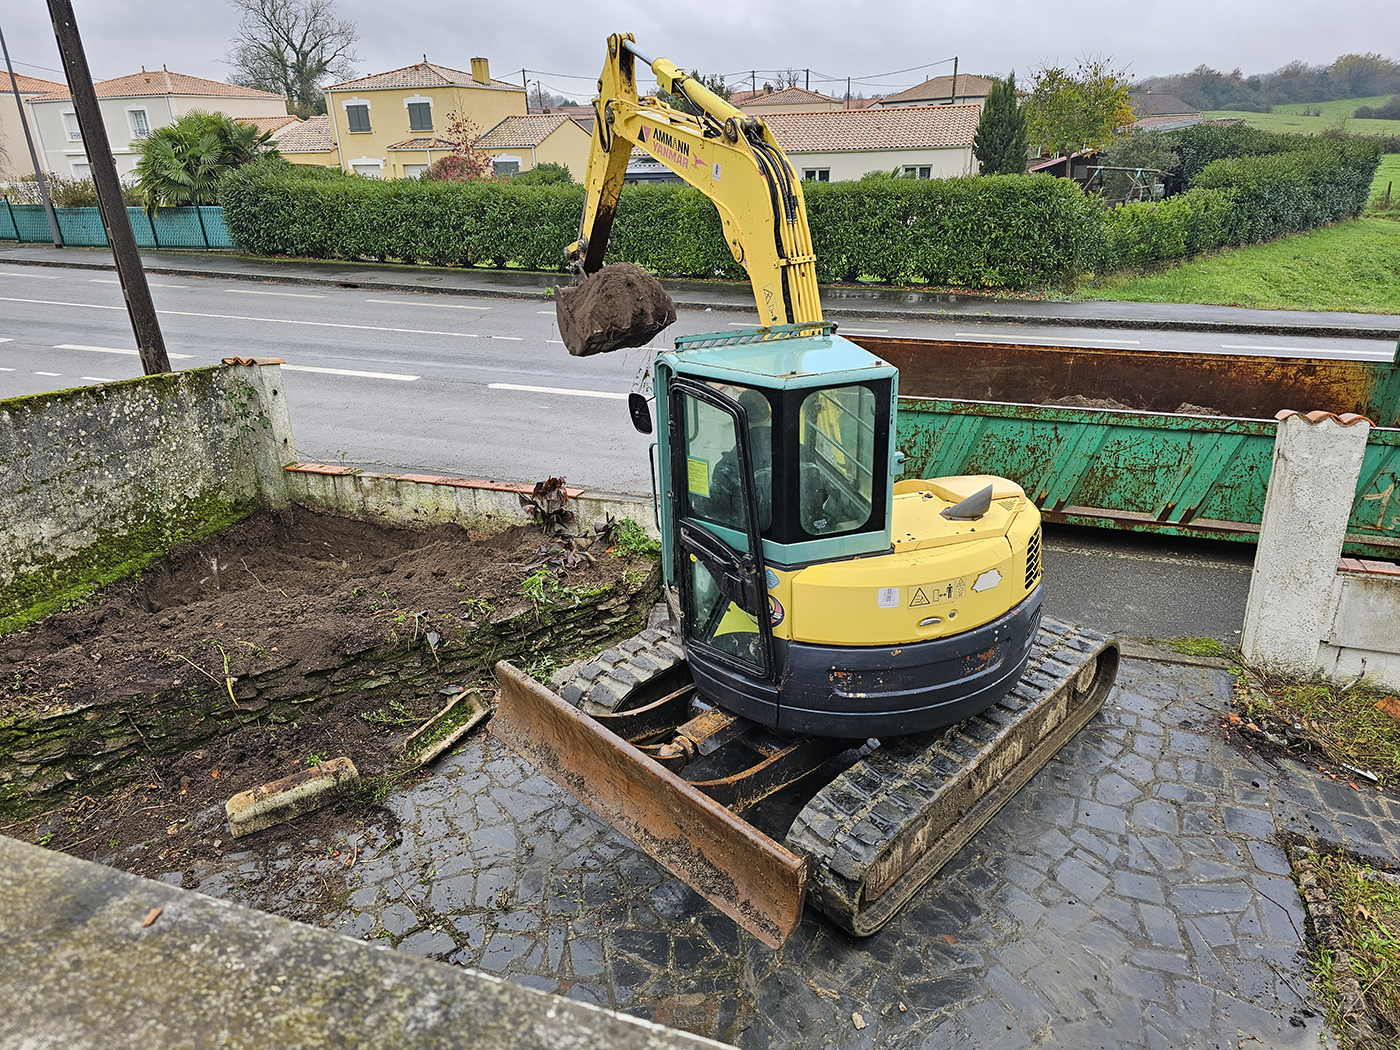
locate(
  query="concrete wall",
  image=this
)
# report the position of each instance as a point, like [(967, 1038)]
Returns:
[(1309, 609), (428, 499), (94, 481)]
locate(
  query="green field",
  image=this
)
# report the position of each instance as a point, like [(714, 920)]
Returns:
[(1352, 266), (1387, 173), (1289, 118)]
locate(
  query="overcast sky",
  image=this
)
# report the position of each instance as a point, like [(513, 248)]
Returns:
[(855, 38)]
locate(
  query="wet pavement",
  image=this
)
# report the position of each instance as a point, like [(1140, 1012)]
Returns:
[(1134, 894)]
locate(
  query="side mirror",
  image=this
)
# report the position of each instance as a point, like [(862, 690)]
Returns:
[(640, 411)]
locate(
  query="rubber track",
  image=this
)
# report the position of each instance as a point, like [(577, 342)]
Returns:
[(645, 663), (926, 789)]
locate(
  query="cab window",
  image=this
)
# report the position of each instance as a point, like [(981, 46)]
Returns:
[(836, 459)]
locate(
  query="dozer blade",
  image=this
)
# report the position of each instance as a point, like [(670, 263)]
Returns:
[(741, 871), (619, 306)]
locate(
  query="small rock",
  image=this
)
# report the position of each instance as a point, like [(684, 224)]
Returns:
[(858, 1021)]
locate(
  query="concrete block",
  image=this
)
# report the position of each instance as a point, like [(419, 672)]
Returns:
[(282, 800)]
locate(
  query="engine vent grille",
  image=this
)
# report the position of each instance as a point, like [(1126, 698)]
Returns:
[(1033, 560)]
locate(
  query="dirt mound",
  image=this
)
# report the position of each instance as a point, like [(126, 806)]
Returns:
[(1080, 401), (619, 306)]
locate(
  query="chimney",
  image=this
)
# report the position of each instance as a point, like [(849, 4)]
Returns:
[(481, 72)]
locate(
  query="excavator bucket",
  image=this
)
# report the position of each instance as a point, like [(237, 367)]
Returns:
[(741, 871), (619, 306)]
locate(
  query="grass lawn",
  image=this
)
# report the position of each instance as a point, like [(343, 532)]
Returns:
[(1352, 266), (1388, 172), (1289, 118)]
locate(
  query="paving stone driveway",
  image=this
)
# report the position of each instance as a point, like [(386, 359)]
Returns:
[(1132, 895)]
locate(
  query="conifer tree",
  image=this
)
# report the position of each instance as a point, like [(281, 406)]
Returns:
[(1001, 142)]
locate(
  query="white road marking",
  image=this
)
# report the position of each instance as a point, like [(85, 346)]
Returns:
[(1281, 349), (512, 338), (150, 284), (545, 311), (1018, 337), (415, 302), (865, 331), (258, 291), (558, 390), (39, 276), (97, 379), (6, 369), (6, 339), (114, 350), (240, 317), (350, 372), (48, 373)]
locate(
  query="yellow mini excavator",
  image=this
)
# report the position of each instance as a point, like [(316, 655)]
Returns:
[(857, 665)]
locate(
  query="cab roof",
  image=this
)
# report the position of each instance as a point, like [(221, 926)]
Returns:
[(784, 356)]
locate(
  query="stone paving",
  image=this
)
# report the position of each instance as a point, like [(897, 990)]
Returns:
[(1133, 894)]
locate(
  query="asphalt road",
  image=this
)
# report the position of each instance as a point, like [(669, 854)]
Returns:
[(483, 388), (446, 384)]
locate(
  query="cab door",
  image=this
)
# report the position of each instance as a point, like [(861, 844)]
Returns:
[(719, 552)]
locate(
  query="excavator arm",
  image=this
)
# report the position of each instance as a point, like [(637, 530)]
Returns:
[(726, 154)]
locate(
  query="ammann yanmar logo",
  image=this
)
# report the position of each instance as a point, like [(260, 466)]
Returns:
[(666, 145)]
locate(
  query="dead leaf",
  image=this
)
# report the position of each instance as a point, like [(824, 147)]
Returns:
[(858, 1021), (1389, 705), (1235, 719), (949, 938), (151, 916), (214, 773)]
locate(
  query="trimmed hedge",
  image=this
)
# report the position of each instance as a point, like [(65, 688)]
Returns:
[(998, 232), (1002, 231)]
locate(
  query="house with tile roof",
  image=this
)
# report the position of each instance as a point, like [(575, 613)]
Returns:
[(300, 141), (926, 142), (386, 125), (1156, 112), (941, 91), (788, 100), (132, 106), (518, 144), (14, 154)]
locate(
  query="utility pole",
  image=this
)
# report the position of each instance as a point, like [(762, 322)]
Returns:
[(809, 79), (33, 156), (753, 82), (848, 92), (954, 96), (139, 307)]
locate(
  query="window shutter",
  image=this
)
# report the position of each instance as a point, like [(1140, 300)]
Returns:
[(420, 116), (358, 117)]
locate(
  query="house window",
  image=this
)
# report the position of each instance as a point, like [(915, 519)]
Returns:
[(420, 116), (358, 116), (918, 172), (81, 169), (371, 170), (413, 171), (70, 122), (817, 174), (506, 165), (140, 127)]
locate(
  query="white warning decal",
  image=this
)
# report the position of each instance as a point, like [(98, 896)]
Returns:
[(888, 597)]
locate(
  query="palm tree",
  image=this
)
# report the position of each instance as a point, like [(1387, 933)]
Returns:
[(182, 163)]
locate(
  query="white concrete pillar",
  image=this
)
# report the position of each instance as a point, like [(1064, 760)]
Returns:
[(268, 424), (1316, 465)]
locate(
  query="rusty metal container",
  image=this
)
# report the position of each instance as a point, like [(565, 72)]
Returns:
[(1160, 441)]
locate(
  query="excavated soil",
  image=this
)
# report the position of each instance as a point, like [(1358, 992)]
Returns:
[(299, 586), (619, 306)]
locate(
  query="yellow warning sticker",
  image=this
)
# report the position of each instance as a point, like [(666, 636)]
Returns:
[(936, 593), (698, 476)]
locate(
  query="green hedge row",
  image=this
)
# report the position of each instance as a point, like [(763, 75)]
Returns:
[(997, 232), (978, 231)]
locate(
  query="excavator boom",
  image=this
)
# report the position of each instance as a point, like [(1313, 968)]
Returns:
[(728, 155)]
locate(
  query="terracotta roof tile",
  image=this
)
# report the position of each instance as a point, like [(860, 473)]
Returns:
[(794, 96), (161, 82), (421, 75), (32, 85), (905, 127), (268, 123), (312, 135), (424, 142), (519, 132), (1148, 104), (969, 86)]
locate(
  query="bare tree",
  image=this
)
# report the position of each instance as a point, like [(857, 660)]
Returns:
[(291, 47)]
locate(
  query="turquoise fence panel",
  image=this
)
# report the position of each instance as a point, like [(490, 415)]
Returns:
[(81, 227), (215, 227), (31, 222), (1182, 475)]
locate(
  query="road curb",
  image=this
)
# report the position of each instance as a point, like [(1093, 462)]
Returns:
[(686, 301)]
